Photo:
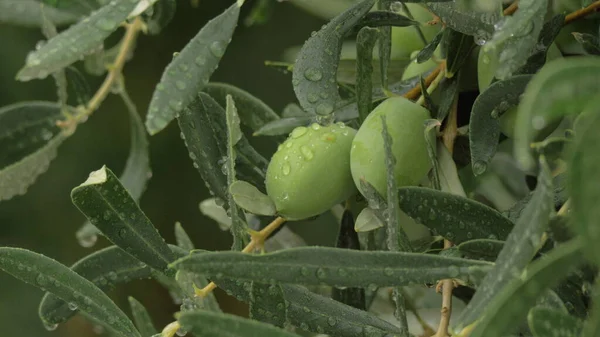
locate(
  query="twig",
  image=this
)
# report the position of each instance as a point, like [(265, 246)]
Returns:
[(416, 91), (258, 240), (431, 87), (512, 8), (578, 14)]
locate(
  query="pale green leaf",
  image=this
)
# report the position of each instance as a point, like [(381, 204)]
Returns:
[(78, 40), (190, 70), (162, 14), (283, 126), (50, 275), (182, 238), (28, 13), (545, 322), (212, 209), (367, 221), (251, 199), (314, 75), (107, 205)]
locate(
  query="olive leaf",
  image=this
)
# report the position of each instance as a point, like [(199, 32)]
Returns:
[(486, 249), (28, 13), (141, 317), (484, 126), (267, 304), (385, 43), (477, 24), (78, 40), (547, 99), (551, 322), (182, 238), (384, 18), (109, 206), (314, 74), (365, 42), (251, 199), (190, 70), (333, 266), (427, 51), (48, 274), (548, 35), (163, 12), (367, 221), (213, 208)]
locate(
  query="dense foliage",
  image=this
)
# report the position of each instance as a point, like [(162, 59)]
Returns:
[(453, 141)]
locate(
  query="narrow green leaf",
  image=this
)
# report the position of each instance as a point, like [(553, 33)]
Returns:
[(519, 248), (313, 313), (254, 113), (261, 12), (210, 324), (456, 218), (105, 268), (562, 87), (214, 209), (385, 44), (477, 24), (431, 130), (548, 322), (48, 274), (333, 266), (592, 325), (163, 12), (187, 283), (314, 75), (584, 163), (190, 70), (234, 134), (514, 300), (142, 318), (78, 40), (251, 199), (77, 86), (481, 249), (427, 51), (293, 110), (367, 221), (516, 37), (548, 35), (448, 90), (458, 46), (484, 126), (28, 13), (589, 42), (384, 18), (107, 205), (267, 304), (182, 238), (283, 126), (365, 42)]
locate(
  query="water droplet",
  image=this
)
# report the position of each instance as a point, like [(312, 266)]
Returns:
[(72, 306), (289, 144), (388, 271), (87, 241), (106, 24), (106, 216), (306, 152), (286, 169), (538, 122), (315, 126), (432, 214), (50, 326), (312, 97), (217, 48), (462, 225), (180, 85), (112, 276), (122, 232), (328, 137), (298, 132), (342, 272), (200, 60), (469, 235), (279, 147), (304, 271), (321, 273), (479, 167), (304, 326), (306, 309), (331, 321), (313, 74), (453, 271), (41, 280), (325, 108)]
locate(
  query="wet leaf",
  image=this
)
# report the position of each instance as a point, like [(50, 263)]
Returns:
[(190, 70), (28, 13), (480, 25), (109, 206), (548, 35), (163, 12), (365, 42), (427, 51), (458, 46), (283, 126), (484, 126), (367, 221), (267, 304), (384, 18), (182, 238), (333, 266), (142, 318), (455, 217), (484, 249), (50, 275), (251, 199), (314, 75), (548, 322), (78, 40)]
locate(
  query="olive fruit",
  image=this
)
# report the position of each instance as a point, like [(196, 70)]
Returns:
[(415, 69), (310, 172), (406, 40), (404, 120)]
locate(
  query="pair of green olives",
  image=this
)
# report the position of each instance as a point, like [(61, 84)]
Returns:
[(319, 166)]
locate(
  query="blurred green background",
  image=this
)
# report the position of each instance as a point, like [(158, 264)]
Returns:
[(44, 220)]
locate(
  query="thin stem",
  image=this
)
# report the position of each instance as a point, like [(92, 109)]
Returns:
[(257, 241), (578, 14), (512, 8), (431, 87), (416, 91)]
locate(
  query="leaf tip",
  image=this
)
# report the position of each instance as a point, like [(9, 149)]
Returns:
[(96, 177)]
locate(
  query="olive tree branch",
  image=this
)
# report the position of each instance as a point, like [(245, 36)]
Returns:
[(580, 13), (257, 241)]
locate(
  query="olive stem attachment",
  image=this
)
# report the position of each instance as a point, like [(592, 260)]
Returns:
[(512, 8), (580, 13), (416, 91), (432, 86), (171, 329), (114, 74), (258, 239)]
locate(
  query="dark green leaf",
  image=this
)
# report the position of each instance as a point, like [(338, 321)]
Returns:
[(562, 87), (28, 13), (514, 300), (251, 199), (162, 14), (77, 86), (519, 248), (548, 322), (187, 283), (142, 318), (190, 70), (427, 51), (283, 126), (484, 249), (314, 75), (516, 37), (254, 113), (78, 40), (385, 45), (477, 24), (454, 217), (431, 130), (107, 205), (210, 324), (182, 238), (484, 126), (584, 163), (592, 325), (458, 46), (549, 32), (49, 275), (384, 18), (267, 304), (448, 91), (365, 42), (260, 14), (333, 266), (589, 42)]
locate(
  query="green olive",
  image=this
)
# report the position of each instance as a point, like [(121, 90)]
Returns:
[(406, 40), (508, 119), (310, 172), (404, 121)]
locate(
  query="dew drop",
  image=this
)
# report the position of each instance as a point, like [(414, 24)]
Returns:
[(312, 97), (87, 241), (304, 271), (469, 235), (388, 271), (41, 280), (289, 144), (325, 108), (453, 271), (50, 327), (315, 126), (112, 276), (298, 132), (432, 214), (306, 152), (217, 48), (321, 273), (180, 85), (72, 306), (342, 272), (479, 167), (200, 60), (122, 232), (304, 326), (286, 169), (331, 321), (313, 74)]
